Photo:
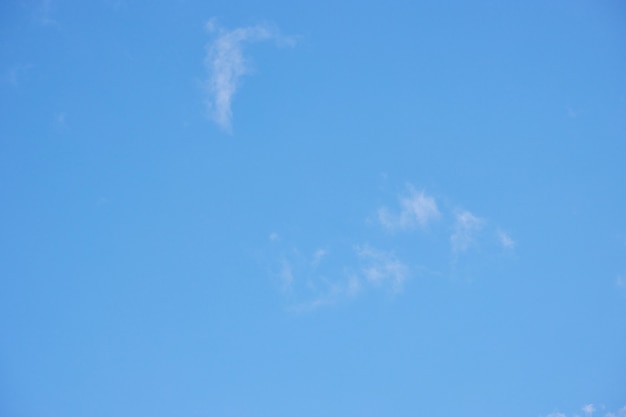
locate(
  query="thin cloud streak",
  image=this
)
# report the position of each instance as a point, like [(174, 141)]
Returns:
[(328, 274), (382, 268), (505, 240), (286, 276), (318, 256), (417, 209), (590, 409), (466, 227), (15, 75), (333, 293), (226, 65), (312, 281)]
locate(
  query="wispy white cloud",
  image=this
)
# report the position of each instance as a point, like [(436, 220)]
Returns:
[(416, 209), (16, 74), (588, 409), (572, 113), (60, 121), (327, 274), (382, 268), (318, 255), (226, 65), (60, 118), (310, 281), (44, 13), (306, 279), (466, 227), (330, 296), (354, 285), (505, 240), (285, 275)]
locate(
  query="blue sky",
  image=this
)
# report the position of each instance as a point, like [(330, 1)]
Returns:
[(327, 209)]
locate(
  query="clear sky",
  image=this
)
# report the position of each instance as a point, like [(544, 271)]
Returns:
[(293, 209)]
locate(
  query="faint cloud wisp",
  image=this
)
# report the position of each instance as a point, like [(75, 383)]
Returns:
[(620, 282), (465, 228), (382, 268), (417, 209), (314, 279), (590, 409), (226, 65), (333, 272), (505, 240), (286, 276)]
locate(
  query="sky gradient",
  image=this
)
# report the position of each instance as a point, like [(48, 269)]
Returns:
[(273, 209)]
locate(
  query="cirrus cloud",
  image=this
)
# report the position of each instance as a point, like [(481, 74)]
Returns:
[(416, 209), (466, 226), (226, 64), (340, 269)]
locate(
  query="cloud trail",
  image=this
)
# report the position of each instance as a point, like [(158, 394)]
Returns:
[(466, 227), (382, 268), (505, 240), (590, 409), (329, 273), (226, 64), (417, 209), (314, 279)]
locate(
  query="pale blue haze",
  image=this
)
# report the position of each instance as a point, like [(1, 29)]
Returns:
[(288, 209)]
